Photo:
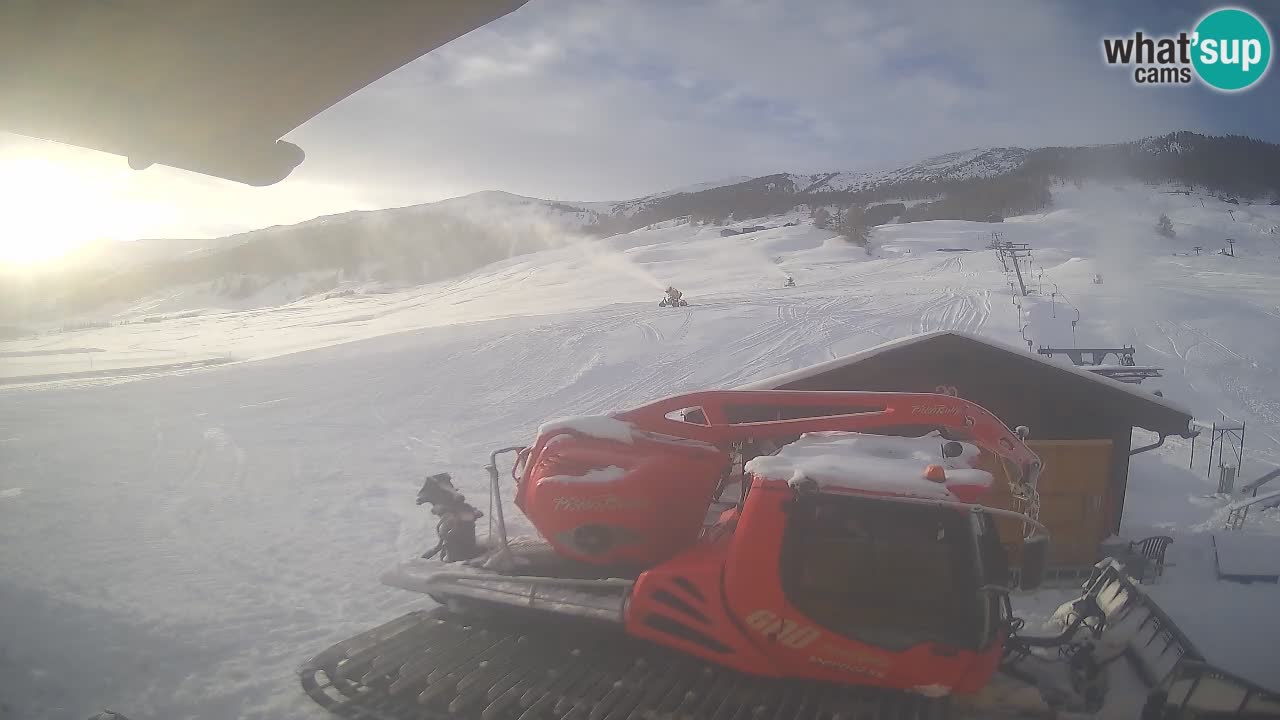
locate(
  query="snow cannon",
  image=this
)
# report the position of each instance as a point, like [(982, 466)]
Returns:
[(674, 298)]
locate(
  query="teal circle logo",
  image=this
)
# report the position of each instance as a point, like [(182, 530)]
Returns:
[(1232, 49)]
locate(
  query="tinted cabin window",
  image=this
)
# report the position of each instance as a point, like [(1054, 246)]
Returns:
[(995, 560), (885, 573), (995, 570)]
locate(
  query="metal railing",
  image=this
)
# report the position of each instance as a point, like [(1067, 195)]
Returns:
[(1174, 670)]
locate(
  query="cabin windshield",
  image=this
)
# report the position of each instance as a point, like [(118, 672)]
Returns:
[(891, 574)]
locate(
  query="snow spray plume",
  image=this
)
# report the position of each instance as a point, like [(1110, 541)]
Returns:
[(612, 259), (754, 254), (529, 226)]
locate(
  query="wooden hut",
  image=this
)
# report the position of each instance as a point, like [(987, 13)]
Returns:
[(1081, 423)]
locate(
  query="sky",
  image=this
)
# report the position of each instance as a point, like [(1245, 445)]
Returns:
[(611, 99)]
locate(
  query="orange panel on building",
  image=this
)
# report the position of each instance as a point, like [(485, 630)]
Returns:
[(1075, 502)]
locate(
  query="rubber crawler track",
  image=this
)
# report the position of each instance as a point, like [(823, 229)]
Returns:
[(433, 664)]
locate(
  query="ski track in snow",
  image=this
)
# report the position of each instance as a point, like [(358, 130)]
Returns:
[(183, 539)]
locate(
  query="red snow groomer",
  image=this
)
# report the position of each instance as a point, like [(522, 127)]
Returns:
[(749, 554)]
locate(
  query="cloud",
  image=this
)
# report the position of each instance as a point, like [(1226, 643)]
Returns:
[(613, 99)]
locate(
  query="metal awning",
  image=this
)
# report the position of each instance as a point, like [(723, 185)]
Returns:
[(207, 85)]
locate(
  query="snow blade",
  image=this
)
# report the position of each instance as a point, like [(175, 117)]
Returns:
[(1181, 682)]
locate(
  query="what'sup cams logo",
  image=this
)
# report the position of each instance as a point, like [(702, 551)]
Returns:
[(1229, 50)]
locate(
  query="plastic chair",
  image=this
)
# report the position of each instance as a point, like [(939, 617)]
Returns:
[(1152, 550)]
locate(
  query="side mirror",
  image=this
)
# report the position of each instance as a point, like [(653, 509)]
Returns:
[(1035, 559)]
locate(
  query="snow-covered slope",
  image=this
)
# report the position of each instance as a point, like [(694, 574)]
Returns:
[(393, 248), (177, 537)]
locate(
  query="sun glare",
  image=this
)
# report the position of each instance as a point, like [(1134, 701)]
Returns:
[(49, 210), (30, 243)]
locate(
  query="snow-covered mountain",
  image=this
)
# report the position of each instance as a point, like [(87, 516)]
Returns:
[(407, 246), (964, 165), (627, 208)]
